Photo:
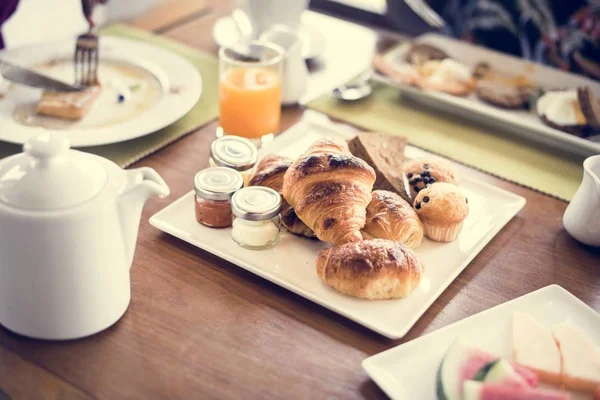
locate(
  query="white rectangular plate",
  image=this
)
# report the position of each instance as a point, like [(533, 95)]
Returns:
[(292, 263), (408, 371), (519, 122)]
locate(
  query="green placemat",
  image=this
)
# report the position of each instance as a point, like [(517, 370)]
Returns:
[(486, 148), (207, 108)]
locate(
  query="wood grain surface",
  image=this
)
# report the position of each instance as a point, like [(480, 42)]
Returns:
[(199, 327)]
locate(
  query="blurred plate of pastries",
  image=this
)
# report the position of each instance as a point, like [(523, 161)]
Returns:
[(372, 229), (543, 104)]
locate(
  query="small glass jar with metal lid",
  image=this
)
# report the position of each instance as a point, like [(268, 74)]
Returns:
[(236, 153), (214, 188), (256, 223)]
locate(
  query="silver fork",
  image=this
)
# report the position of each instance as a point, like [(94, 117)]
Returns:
[(86, 59)]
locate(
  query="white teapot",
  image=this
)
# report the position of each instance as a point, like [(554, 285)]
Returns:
[(582, 216), (68, 230)]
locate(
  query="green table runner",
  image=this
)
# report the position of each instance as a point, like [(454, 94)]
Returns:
[(206, 110), (482, 147)]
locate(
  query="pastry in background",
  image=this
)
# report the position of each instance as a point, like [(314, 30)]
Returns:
[(447, 76), (370, 269), (590, 106), (442, 207), (400, 73), (269, 172), (573, 111), (390, 217), (423, 171), (330, 189), (503, 96), (420, 53), (68, 105), (385, 154)]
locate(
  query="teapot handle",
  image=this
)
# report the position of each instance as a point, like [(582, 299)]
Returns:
[(148, 178)]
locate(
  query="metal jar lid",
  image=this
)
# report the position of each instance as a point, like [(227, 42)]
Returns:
[(217, 183), (234, 152), (256, 203)]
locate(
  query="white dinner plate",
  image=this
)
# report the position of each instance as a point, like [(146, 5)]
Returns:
[(519, 122), (408, 371), (291, 264), (225, 33), (178, 84)]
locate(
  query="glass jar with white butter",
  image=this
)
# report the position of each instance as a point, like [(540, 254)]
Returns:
[(256, 223), (236, 153)]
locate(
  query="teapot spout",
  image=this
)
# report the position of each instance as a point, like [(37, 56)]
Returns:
[(141, 184)]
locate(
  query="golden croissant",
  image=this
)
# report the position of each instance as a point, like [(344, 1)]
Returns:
[(371, 269), (330, 189), (269, 172), (389, 216)]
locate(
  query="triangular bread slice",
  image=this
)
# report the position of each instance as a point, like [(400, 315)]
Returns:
[(385, 153), (533, 346), (580, 358)]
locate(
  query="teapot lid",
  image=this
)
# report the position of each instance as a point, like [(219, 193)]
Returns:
[(48, 176)]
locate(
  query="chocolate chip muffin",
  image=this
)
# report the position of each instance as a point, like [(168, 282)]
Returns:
[(442, 207), (427, 170)]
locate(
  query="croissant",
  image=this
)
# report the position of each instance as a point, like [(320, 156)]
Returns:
[(269, 172), (389, 216), (330, 189), (371, 269)]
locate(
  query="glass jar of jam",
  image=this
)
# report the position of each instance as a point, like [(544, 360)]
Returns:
[(256, 223), (236, 153), (214, 188)]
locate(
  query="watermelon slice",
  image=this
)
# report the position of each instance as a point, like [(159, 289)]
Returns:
[(462, 362), (474, 390), (501, 372)]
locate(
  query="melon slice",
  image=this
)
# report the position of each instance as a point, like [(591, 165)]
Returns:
[(474, 390), (580, 358), (456, 367), (534, 347), (463, 361), (500, 372)]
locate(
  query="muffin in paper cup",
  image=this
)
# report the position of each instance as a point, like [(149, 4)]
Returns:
[(421, 172), (442, 208)]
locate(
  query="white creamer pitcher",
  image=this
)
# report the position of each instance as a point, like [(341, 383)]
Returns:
[(582, 217), (295, 72)]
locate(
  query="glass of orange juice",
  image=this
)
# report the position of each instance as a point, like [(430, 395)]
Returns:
[(250, 90)]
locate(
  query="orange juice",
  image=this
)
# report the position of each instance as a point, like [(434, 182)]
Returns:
[(250, 102)]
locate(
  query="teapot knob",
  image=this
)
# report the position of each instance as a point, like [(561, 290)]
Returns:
[(46, 146)]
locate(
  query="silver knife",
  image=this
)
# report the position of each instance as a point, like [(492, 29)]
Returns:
[(26, 77)]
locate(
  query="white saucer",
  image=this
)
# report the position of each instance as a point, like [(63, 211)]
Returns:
[(225, 33)]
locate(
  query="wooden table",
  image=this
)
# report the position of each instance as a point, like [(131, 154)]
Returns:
[(199, 327)]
